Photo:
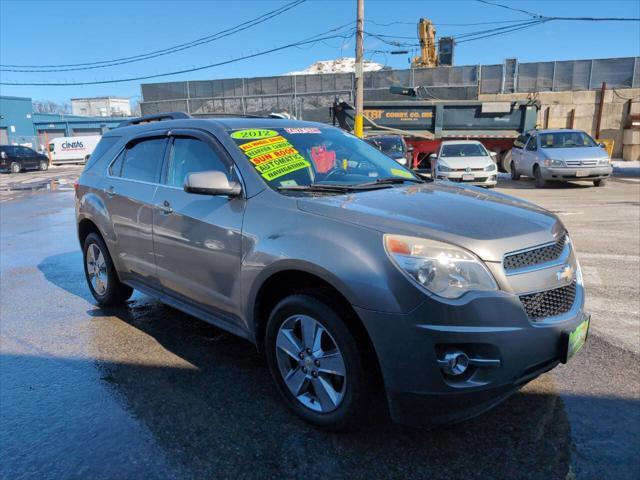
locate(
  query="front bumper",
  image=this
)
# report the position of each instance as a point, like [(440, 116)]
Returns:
[(483, 325), (576, 173), (480, 178)]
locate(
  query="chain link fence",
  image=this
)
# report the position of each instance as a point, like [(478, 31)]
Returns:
[(309, 97)]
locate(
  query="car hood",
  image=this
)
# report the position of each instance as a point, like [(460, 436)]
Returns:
[(575, 153), (464, 162), (488, 224)]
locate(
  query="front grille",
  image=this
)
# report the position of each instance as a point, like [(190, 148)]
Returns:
[(460, 180), (535, 256), (549, 303), (471, 169), (581, 163)]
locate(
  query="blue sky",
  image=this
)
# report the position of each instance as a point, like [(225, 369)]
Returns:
[(66, 32)]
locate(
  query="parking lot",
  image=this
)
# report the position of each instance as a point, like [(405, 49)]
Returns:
[(146, 391)]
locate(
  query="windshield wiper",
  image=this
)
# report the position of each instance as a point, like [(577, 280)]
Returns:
[(389, 181), (316, 187)]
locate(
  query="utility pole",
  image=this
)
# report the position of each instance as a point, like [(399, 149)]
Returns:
[(358, 122)]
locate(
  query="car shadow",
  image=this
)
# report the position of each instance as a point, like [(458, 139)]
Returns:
[(221, 416)]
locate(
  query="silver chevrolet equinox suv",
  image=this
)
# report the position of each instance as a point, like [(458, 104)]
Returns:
[(356, 278)]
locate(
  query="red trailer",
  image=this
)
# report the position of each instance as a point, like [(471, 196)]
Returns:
[(426, 124)]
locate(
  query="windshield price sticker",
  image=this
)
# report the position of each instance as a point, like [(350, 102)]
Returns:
[(283, 166), (274, 157), (401, 173), (245, 147), (302, 130), (254, 133)]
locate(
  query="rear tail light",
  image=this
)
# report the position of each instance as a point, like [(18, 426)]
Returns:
[(76, 185)]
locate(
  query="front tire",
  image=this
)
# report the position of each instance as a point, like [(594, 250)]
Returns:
[(101, 275), (317, 363), (600, 183), (514, 173), (537, 175), (44, 165)]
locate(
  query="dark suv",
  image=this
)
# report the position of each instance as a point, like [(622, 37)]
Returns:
[(16, 158), (345, 268)]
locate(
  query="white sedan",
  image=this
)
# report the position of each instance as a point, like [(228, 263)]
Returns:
[(464, 161)]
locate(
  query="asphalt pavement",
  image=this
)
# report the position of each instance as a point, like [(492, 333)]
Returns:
[(145, 391)]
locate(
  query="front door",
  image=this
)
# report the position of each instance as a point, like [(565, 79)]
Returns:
[(530, 155), (129, 191), (198, 238)]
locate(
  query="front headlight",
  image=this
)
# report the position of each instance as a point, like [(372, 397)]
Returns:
[(553, 163), (440, 268), (603, 161), (443, 168), (490, 168)]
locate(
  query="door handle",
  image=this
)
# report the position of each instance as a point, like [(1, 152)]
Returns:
[(111, 191), (165, 207)]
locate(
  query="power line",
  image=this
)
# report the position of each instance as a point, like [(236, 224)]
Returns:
[(503, 32), (157, 53), (314, 39), (546, 17)]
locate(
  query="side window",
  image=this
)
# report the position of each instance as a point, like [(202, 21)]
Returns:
[(24, 152), (520, 141), (532, 144), (189, 155), (103, 146), (143, 160), (115, 170)]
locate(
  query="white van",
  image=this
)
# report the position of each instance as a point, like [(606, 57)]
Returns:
[(72, 149)]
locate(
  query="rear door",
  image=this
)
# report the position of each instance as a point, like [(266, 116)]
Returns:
[(130, 187), (28, 157), (198, 238)]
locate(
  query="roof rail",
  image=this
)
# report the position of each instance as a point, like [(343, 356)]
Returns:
[(158, 117)]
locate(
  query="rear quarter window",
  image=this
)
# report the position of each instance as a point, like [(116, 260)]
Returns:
[(104, 145)]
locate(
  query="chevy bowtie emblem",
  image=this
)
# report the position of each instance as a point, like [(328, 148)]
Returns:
[(468, 169), (565, 274)]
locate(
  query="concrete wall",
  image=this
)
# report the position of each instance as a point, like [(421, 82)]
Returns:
[(585, 103)]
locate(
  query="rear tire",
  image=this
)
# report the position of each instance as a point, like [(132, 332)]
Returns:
[(514, 173), (600, 183), (15, 167), (305, 373), (537, 175), (44, 165), (101, 275)]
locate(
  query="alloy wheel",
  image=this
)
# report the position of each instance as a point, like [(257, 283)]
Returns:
[(97, 269), (311, 364)]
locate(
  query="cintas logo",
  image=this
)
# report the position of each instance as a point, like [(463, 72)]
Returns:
[(66, 145)]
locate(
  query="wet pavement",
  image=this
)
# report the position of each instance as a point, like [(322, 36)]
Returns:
[(146, 391)]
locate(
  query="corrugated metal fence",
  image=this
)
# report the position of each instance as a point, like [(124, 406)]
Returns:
[(310, 96)]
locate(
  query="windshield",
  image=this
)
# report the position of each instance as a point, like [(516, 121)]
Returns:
[(295, 157), (565, 140), (463, 150), (390, 144)]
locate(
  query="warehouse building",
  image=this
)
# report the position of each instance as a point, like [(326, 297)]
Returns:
[(19, 125)]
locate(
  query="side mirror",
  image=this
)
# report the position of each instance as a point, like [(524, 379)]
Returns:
[(603, 145), (409, 148), (493, 154), (211, 183), (433, 156)]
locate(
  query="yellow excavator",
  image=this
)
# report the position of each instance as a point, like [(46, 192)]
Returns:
[(427, 35)]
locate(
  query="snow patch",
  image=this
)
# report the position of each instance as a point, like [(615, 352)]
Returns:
[(339, 65)]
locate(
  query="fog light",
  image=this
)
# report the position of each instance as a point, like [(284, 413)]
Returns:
[(454, 362)]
